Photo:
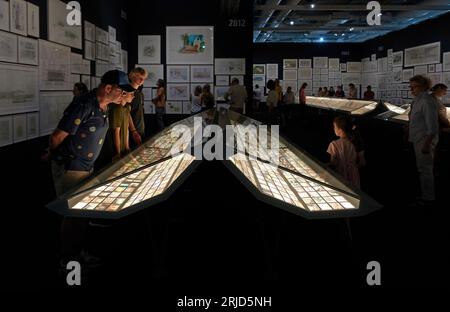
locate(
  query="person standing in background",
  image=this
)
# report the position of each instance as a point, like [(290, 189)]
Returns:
[(160, 103), (369, 94), (137, 77), (257, 96), (196, 101), (207, 97), (319, 92), (339, 92), (331, 93), (236, 96), (79, 89), (278, 91), (352, 92)]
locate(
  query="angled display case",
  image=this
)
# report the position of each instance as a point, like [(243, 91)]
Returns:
[(394, 113), (353, 107)]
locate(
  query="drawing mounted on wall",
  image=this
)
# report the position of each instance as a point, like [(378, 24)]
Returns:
[(421, 70), (18, 89), (219, 93), (272, 71), (6, 130), (290, 83), (149, 49), (102, 51), (32, 125), (124, 58), (155, 72), (320, 62), (52, 106), (174, 107), (149, 108), (28, 51), (304, 63), (8, 47), (432, 68), (222, 80), (4, 15), (112, 34), (58, 29), (20, 128), (190, 45), (32, 20), (89, 31), (101, 67), (54, 66), (229, 66), (353, 67), (290, 74), (305, 73), (202, 73), (259, 80), (343, 67), (333, 64), (240, 78), (438, 68), (259, 69), (18, 17), (397, 59), (76, 63), (86, 67), (187, 106), (398, 74), (407, 74), (86, 79), (423, 54), (89, 50), (348, 78), (178, 73), (446, 61), (178, 92), (101, 35), (435, 78), (290, 63)]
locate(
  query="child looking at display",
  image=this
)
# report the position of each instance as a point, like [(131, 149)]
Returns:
[(343, 155)]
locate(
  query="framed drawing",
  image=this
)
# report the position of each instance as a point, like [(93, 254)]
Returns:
[(86, 79), (202, 73), (76, 63), (353, 67), (124, 58), (259, 69), (112, 34), (407, 74), (438, 68), (101, 67), (149, 49), (6, 130), (348, 78), (432, 68), (446, 61), (343, 67), (32, 20), (219, 93), (290, 74), (149, 108), (240, 78), (290, 63), (187, 106), (89, 31), (178, 92), (292, 84), (305, 73), (54, 66), (155, 72), (89, 50), (272, 71), (190, 45), (86, 67), (52, 106), (229, 66), (333, 64), (20, 128), (19, 89), (28, 51), (58, 29), (32, 125), (8, 47), (102, 51), (18, 17), (174, 107), (101, 35), (423, 54), (398, 75), (4, 15), (304, 63), (259, 80), (320, 62), (178, 73), (222, 80), (421, 70), (397, 59)]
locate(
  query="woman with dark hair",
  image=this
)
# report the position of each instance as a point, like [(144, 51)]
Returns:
[(79, 89), (302, 94), (207, 97), (160, 103)]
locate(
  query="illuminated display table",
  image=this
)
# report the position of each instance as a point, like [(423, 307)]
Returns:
[(150, 174), (353, 107), (395, 113)]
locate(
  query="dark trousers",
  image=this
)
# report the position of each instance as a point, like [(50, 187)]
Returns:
[(160, 112)]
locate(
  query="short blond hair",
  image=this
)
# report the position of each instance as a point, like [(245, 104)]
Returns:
[(138, 71)]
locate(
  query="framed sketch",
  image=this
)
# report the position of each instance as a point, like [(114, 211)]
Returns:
[(112, 34), (52, 106), (320, 62), (229, 66), (187, 106), (290, 63), (124, 58), (333, 64), (353, 67), (259, 80), (89, 50), (86, 67), (219, 93), (155, 72), (202, 73), (102, 51), (178, 92), (421, 70), (222, 80), (290, 83), (423, 54), (240, 78), (348, 78), (149, 108), (32, 125), (178, 73), (86, 79), (8, 47), (398, 75), (435, 78), (18, 17), (101, 67), (19, 89), (259, 69), (32, 20), (28, 51), (101, 35), (446, 78), (20, 128), (76, 63), (6, 130), (397, 59), (432, 68), (190, 45), (272, 71), (74, 78), (438, 67), (4, 15), (446, 61), (58, 29), (54, 66), (305, 73), (89, 31), (304, 63), (174, 107), (343, 67), (290, 74), (407, 74), (149, 49)]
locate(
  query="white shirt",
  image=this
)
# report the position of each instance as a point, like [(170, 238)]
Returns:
[(423, 119)]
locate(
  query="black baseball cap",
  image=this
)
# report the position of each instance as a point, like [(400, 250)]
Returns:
[(119, 78)]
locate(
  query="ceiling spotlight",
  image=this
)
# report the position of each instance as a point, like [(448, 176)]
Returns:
[(313, 5), (336, 35), (343, 35), (321, 39), (351, 29), (291, 22)]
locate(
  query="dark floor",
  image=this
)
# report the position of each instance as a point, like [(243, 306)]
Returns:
[(212, 232)]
